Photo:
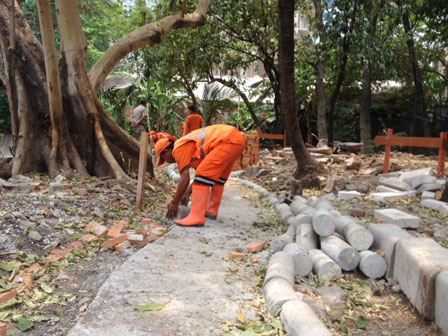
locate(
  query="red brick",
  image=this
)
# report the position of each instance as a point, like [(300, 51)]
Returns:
[(123, 246), (89, 238), (3, 329), (125, 202), (144, 231), (33, 268), (256, 246), (114, 241), (54, 257), (237, 255), (62, 252), (115, 230), (123, 222), (77, 244), (135, 238), (82, 192), (159, 232), (6, 296), (254, 260), (27, 280), (146, 220), (91, 225), (357, 213), (146, 240), (100, 230)]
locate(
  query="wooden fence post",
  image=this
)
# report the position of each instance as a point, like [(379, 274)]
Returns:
[(442, 153), (390, 133), (142, 169)]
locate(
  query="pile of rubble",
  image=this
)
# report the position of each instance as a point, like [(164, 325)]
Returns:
[(321, 240)]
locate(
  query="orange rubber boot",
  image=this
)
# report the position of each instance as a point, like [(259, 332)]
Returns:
[(199, 200), (215, 201)]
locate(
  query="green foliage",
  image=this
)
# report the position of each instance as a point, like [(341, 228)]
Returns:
[(5, 115)]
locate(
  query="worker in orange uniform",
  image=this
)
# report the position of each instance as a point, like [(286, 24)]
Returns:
[(212, 151), (193, 121), (156, 136)]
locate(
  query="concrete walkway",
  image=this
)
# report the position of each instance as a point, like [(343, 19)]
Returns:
[(189, 270)]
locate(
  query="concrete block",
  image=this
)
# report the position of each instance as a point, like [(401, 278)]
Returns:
[(442, 301), (436, 205), (429, 187), (277, 292), (394, 183), (299, 319), (385, 196), (418, 261), (299, 220), (280, 242), (385, 236), (382, 188), (411, 175), (323, 222), (344, 195), (397, 217), (345, 255), (425, 179), (428, 195)]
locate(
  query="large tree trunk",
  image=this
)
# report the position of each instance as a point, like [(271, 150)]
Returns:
[(346, 42), (89, 141), (320, 72), (365, 121), (420, 125), (305, 164)]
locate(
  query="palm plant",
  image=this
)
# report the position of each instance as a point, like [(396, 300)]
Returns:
[(214, 98)]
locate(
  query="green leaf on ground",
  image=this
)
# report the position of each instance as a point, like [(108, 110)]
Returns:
[(149, 307), (23, 324), (7, 267), (47, 289), (361, 323)]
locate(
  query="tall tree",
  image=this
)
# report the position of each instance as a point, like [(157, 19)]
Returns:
[(305, 164), (90, 141)]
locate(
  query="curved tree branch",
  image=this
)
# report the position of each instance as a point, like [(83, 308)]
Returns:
[(149, 34)]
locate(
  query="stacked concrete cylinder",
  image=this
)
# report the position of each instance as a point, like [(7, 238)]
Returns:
[(334, 243)]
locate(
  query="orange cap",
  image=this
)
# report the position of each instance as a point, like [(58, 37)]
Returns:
[(160, 146)]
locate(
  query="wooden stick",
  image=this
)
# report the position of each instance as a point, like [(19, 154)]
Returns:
[(142, 169)]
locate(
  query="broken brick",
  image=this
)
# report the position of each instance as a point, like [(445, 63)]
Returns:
[(159, 231), (254, 260), (62, 252), (100, 230), (3, 329), (114, 241), (6, 296), (123, 222), (256, 246), (125, 202), (357, 213), (146, 240), (82, 192), (34, 268), (91, 225), (134, 239), (89, 238), (144, 231), (24, 279), (77, 244), (237, 255), (146, 220), (123, 246), (115, 230)]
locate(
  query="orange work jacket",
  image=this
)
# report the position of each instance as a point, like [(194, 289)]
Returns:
[(207, 139)]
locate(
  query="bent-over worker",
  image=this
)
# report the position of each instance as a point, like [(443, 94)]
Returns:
[(212, 151)]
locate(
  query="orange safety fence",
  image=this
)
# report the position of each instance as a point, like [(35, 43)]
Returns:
[(389, 141)]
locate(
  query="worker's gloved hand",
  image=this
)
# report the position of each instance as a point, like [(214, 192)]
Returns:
[(172, 210)]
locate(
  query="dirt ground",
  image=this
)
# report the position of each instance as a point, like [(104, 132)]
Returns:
[(76, 281)]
